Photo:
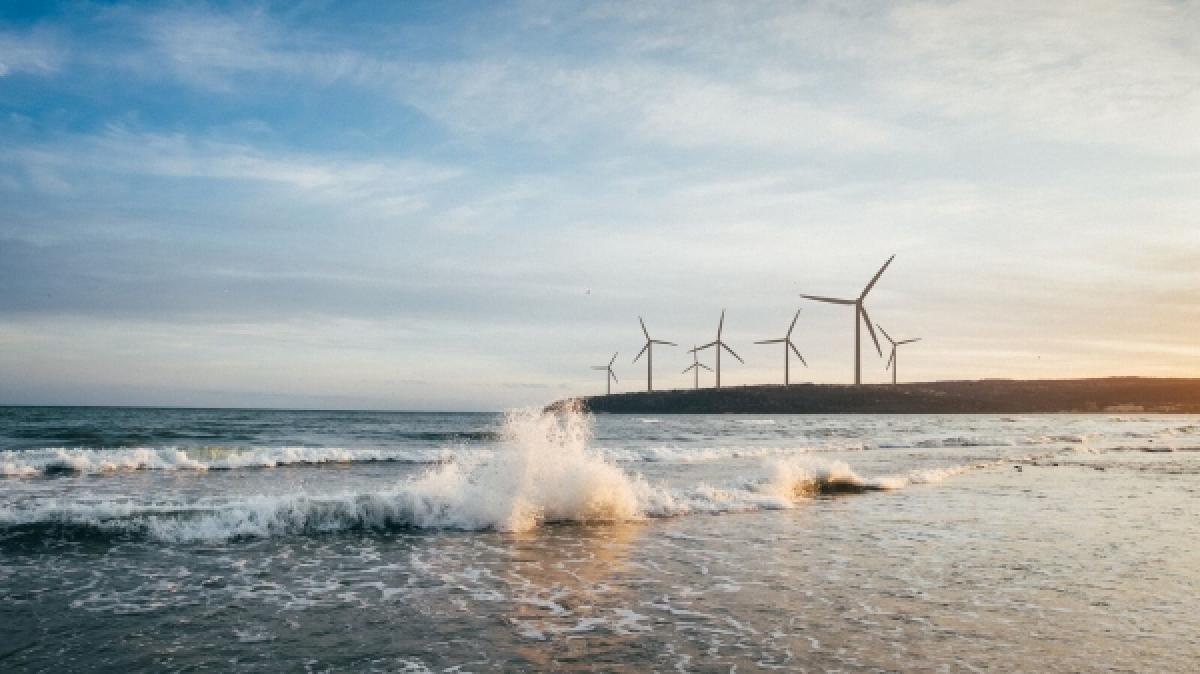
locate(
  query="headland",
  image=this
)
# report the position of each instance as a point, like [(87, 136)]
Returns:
[(1114, 395)]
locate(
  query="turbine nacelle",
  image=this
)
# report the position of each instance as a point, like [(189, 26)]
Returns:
[(649, 341)]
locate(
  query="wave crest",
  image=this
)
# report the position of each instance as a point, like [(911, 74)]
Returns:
[(543, 472)]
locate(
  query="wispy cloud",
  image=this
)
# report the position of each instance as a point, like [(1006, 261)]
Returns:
[(37, 51), (390, 186), (1115, 72)]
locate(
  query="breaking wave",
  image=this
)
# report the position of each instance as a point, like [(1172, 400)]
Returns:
[(27, 463), (544, 472), (57, 461)]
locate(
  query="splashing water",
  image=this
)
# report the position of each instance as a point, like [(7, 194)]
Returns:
[(545, 471)]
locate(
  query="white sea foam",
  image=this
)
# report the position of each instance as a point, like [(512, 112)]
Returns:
[(27, 463), (37, 462), (667, 454), (543, 472)]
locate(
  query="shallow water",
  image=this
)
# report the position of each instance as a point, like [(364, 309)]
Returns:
[(259, 540)]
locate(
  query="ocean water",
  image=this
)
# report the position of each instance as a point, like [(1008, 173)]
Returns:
[(242, 540)]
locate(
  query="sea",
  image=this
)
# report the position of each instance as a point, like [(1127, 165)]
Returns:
[(136, 539)]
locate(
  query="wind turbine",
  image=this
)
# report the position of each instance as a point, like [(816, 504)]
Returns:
[(892, 362), (649, 351), (696, 365), (611, 375), (718, 345), (860, 312), (787, 344)]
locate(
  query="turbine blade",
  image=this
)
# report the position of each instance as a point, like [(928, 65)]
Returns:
[(793, 325), (797, 352), (689, 367), (660, 341), (721, 324), (614, 358), (599, 367), (772, 341), (705, 367), (644, 331), (870, 328), (614, 376), (701, 348), (827, 300), (726, 347), (876, 277), (891, 359), (885, 334), (635, 358), (909, 341)]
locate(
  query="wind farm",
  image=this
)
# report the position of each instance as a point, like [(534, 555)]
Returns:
[(1114, 394), (719, 345)]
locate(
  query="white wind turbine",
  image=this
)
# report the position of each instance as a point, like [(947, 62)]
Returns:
[(696, 365), (648, 349), (718, 345), (788, 348), (892, 362), (608, 380), (860, 316)]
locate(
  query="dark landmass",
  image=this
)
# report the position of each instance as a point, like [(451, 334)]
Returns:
[(986, 396)]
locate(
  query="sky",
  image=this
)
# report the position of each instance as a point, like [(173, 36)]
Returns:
[(465, 205)]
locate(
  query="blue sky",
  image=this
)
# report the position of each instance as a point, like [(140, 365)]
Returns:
[(464, 205)]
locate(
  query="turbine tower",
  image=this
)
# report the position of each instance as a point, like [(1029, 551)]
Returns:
[(649, 351), (718, 345), (696, 365), (892, 362), (611, 375), (787, 344), (860, 316)]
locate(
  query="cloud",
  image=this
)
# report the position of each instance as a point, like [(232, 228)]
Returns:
[(36, 52), (1119, 73), (503, 87), (1114, 72), (386, 186), (636, 103)]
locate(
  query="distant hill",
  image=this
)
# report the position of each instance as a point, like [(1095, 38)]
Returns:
[(987, 396)]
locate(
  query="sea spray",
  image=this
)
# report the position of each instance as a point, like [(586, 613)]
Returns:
[(805, 478), (544, 471)]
